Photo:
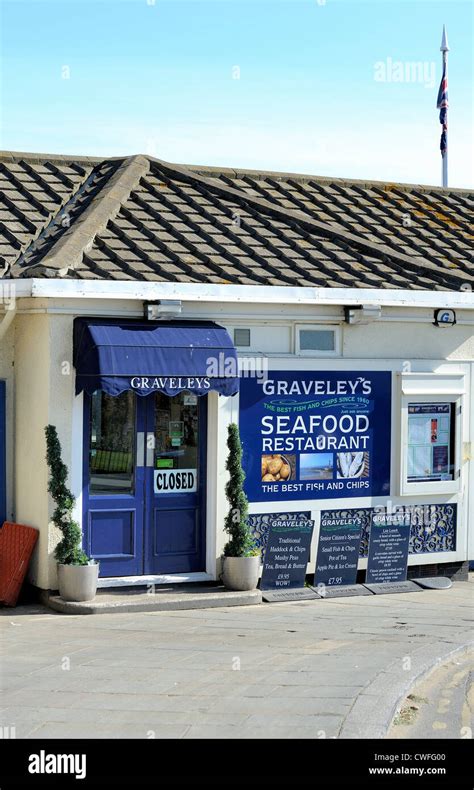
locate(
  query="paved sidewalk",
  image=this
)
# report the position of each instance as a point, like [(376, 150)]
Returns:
[(334, 668)]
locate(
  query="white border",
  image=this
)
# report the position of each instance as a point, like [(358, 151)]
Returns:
[(435, 388)]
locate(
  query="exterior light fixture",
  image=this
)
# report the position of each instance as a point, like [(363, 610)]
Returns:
[(444, 317), (362, 314), (164, 308)]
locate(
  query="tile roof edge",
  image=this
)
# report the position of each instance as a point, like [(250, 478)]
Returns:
[(331, 231), (67, 252), (38, 158), (15, 156), (211, 170)]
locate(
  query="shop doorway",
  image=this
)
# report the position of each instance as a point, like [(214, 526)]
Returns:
[(144, 482)]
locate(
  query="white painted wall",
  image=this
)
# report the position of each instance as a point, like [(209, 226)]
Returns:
[(43, 395), (32, 362)]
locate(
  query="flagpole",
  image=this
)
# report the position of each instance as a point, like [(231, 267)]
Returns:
[(444, 163)]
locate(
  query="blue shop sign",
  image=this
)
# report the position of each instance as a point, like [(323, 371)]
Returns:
[(316, 435)]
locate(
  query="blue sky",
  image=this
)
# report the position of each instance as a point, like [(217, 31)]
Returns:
[(293, 85)]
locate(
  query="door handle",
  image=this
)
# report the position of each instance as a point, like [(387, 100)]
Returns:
[(150, 448), (140, 449)]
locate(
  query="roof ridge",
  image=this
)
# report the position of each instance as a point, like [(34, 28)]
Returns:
[(67, 252), (13, 156), (38, 158), (340, 180)]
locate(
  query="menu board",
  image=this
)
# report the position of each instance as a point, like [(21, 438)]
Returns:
[(429, 442), (287, 553), (388, 547), (338, 548)]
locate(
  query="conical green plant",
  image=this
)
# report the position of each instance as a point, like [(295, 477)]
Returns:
[(241, 543), (68, 551)]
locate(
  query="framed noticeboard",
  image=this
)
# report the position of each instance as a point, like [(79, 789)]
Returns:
[(430, 446), (431, 441)]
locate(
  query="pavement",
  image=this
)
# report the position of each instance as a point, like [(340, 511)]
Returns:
[(336, 668)]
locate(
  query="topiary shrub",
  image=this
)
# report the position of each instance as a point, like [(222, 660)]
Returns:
[(68, 551), (241, 543)]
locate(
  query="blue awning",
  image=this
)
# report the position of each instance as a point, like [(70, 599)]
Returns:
[(115, 356)]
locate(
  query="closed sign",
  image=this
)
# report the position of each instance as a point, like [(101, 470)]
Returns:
[(175, 481)]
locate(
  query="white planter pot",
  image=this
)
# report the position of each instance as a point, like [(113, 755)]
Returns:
[(78, 582), (241, 573)]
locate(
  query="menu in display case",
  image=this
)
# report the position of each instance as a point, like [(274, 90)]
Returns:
[(430, 439)]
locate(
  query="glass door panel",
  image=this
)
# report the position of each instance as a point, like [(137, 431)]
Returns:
[(111, 444), (176, 431)]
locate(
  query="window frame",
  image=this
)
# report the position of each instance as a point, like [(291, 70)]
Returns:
[(245, 329), (336, 352), (430, 388)]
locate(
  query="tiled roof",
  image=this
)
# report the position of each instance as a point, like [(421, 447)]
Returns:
[(139, 218)]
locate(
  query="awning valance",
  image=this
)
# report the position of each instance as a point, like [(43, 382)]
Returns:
[(115, 356)]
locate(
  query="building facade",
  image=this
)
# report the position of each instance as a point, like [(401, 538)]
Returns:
[(146, 306)]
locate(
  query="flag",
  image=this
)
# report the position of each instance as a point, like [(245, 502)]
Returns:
[(442, 105)]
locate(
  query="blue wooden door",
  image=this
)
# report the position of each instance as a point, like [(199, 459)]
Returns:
[(3, 476), (175, 471), (144, 483)]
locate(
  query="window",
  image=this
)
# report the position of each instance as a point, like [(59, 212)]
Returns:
[(111, 440), (242, 337), (176, 431), (314, 340), (430, 450), (431, 433)]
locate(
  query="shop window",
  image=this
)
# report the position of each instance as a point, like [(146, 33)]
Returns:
[(317, 341), (176, 437), (430, 446), (431, 434), (111, 441), (242, 337)]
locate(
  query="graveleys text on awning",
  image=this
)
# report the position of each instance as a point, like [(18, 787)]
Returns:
[(116, 356)]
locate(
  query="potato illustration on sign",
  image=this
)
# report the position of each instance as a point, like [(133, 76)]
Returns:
[(276, 468)]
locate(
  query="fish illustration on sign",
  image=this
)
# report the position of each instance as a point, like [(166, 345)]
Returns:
[(350, 465)]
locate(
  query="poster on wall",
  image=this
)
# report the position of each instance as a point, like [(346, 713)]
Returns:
[(338, 548), (316, 435), (429, 442), (287, 552), (388, 547)]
